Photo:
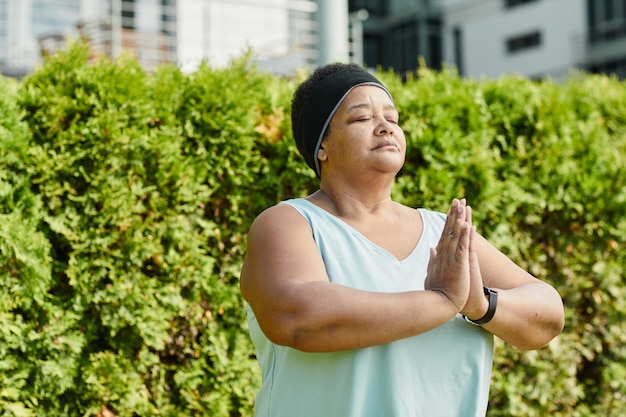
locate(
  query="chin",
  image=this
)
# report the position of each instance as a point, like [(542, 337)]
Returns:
[(392, 170)]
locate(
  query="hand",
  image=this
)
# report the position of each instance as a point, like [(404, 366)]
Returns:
[(449, 264), (477, 303)]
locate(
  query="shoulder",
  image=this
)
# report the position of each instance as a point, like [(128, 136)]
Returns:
[(435, 215), (281, 218), (287, 208), (280, 241), (432, 217), (426, 216)]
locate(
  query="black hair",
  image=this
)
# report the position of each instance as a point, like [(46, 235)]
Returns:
[(303, 92)]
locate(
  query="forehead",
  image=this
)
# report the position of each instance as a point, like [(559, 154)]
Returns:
[(366, 96)]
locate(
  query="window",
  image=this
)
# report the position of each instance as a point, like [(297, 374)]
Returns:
[(523, 42), (434, 55), (376, 8), (128, 14), (606, 20), (403, 46), (399, 46), (509, 4), (457, 34), (615, 66), (168, 16)]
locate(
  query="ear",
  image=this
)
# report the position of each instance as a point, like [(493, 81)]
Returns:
[(321, 154)]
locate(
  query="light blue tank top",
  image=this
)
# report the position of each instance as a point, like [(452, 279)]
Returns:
[(444, 372)]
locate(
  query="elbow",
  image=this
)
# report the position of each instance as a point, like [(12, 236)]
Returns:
[(554, 325), (305, 341), (558, 325), (547, 332), (290, 331), (554, 328), (283, 335), (548, 328), (540, 341)]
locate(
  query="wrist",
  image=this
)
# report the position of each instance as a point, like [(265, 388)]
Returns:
[(478, 308), (492, 300), (454, 309)]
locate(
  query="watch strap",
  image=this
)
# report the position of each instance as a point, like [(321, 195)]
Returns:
[(492, 297)]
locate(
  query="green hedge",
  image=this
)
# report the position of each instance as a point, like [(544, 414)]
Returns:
[(125, 198)]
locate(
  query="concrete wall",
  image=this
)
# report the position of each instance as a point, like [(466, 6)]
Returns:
[(487, 24)]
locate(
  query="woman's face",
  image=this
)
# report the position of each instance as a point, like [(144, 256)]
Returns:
[(364, 134)]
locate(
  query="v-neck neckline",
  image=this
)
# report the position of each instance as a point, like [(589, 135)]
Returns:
[(368, 240)]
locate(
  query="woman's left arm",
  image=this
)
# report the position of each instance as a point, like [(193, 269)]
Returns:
[(529, 312)]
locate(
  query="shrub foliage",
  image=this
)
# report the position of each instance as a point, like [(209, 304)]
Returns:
[(125, 198)]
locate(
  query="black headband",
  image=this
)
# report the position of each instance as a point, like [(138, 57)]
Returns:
[(320, 107)]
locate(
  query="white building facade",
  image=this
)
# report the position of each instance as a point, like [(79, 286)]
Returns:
[(22, 21), (535, 38), (31, 28), (482, 38), (280, 33)]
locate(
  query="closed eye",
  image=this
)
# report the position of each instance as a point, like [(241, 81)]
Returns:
[(393, 117)]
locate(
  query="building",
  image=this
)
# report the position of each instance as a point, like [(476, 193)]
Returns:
[(282, 33), (30, 29), (536, 38), (605, 48), (398, 32), (19, 49), (489, 38), (482, 38)]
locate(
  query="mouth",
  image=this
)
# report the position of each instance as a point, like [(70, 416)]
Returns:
[(386, 144)]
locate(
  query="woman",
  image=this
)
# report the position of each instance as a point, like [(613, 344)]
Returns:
[(360, 306)]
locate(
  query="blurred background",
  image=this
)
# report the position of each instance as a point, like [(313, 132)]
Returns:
[(535, 38)]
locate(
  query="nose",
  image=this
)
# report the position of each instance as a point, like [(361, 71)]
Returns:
[(384, 126)]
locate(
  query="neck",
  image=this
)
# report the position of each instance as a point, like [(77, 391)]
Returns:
[(351, 202)]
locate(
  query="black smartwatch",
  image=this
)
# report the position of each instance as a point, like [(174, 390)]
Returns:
[(492, 296)]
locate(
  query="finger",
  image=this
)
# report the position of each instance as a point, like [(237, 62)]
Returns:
[(472, 248), (468, 215), (474, 263), (448, 227), (453, 204), (453, 247), (451, 217), (431, 260), (462, 250), (454, 208), (452, 235)]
